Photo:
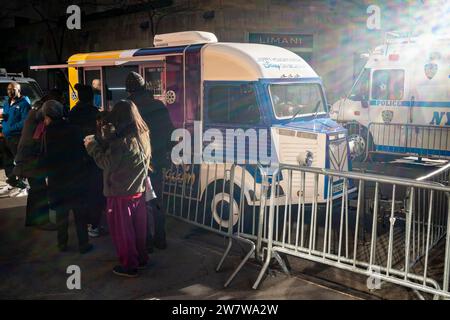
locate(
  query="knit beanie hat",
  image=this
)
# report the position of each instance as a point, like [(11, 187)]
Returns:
[(134, 82), (53, 109)]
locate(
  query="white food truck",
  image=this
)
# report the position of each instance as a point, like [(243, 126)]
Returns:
[(210, 88)]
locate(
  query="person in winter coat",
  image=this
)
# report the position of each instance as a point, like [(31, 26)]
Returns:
[(84, 116), (15, 111), (157, 118), (64, 159), (123, 152), (28, 166)]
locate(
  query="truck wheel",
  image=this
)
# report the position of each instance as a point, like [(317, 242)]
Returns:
[(218, 204)]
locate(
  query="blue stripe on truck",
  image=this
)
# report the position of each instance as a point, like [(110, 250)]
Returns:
[(397, 103)]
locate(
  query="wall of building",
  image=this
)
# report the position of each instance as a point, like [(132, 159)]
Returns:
[(334, 32)]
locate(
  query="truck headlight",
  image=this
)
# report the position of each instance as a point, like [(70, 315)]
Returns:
[(305, 158)]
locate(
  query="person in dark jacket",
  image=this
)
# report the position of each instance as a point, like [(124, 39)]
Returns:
[(65, 160), (157, 118), (84, 115), (15, 111), (28, 166)]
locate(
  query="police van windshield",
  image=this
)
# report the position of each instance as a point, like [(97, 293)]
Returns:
[(360, 91), (27, 89), (296, 99)]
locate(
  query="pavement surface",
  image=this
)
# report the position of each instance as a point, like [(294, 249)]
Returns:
[(31, 267)]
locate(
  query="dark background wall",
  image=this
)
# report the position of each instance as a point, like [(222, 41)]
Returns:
[(336, 32)]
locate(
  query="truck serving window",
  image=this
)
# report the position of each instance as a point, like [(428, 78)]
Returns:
[(233, 104), (115, 78), (153, 76), (93, 78), (388, 84), (360, 91), (296, 99)]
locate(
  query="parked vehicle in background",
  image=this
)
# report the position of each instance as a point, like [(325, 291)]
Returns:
[(400, 102)]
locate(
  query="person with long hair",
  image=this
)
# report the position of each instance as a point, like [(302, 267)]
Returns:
[(157, 118), (123, 152)]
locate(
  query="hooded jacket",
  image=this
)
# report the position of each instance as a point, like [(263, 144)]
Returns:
[(124, 161), (14, 116), (65, 159), (29, 149)]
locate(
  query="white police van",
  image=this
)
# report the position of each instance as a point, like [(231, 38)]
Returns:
[(401, 99)]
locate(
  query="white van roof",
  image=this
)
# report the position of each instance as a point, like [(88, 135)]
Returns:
[(409, 53), (183, 38), (250, 62)]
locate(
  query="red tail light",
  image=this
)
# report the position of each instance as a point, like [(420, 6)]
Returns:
[(394, 57)]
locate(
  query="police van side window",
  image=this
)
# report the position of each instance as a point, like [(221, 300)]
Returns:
[(388, 84), (233, 104), (360, 91)]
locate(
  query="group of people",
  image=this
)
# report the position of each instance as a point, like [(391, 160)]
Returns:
[(91, 162)]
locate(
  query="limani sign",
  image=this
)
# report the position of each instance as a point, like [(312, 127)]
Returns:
[(282, 40)]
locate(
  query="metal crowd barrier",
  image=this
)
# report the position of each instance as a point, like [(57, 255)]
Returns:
[(391, 243), (408, 139), (184, 200), (384, 227)]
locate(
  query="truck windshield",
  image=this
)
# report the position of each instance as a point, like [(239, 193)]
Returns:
[(296, 99), (27, 89)]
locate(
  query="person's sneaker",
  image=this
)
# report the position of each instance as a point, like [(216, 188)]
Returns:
[(121, 271), (17, 193), (86, 248), (5, 190), (93, 232)]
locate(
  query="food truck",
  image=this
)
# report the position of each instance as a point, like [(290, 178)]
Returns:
[(210, 86), (401, 99)]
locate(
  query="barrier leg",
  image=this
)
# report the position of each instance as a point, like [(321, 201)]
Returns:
[(244, 261), (270, 233), (281, 263), (225, 255)]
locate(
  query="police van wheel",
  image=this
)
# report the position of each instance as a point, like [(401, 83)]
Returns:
[(218, 204)]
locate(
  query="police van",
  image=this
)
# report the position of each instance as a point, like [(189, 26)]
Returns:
[(401, 99), (213, 87)]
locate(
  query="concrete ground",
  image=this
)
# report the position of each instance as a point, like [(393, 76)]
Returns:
[(31, 267)]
